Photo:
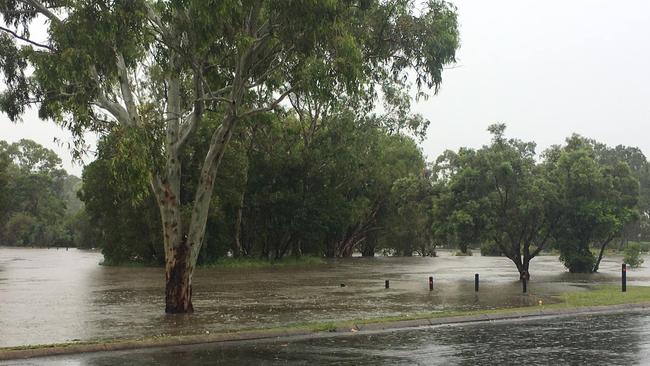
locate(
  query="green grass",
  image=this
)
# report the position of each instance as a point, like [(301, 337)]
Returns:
[(605, 295), (245, 263)]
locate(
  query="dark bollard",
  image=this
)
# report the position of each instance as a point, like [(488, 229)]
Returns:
[(387, 284), (524, 284), (476, 282), (430, 283), (623, 278), (343, 285)]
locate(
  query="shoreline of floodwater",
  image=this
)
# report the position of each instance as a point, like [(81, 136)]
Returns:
[(606, 299)]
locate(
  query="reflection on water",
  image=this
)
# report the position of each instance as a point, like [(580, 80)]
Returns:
[(49, 296), (621, 339)]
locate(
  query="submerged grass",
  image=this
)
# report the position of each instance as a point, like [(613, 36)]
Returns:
[(244, 263), (603, 295), (234, 263), (129, 264)]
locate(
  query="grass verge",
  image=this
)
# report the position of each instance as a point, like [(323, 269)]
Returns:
[(604, 295)]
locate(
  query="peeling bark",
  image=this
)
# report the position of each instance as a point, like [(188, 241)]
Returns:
[(178, 289)]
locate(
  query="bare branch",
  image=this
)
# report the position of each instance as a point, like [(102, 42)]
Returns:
[(43, 10), (16, 35), (104, 102), (215, 98), (268, 108), (115, 109), (188, 126)]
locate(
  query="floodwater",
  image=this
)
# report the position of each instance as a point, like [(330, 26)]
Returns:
[(615, 339), (52, 296)]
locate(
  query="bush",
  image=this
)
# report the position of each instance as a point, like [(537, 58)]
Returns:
[(490, 249), (20, 230), (633, 255), (644, 246), (577, 260), (461, 254)]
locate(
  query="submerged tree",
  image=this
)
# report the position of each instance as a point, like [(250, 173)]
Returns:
[(498, 193), (598, 197), (156, 69)]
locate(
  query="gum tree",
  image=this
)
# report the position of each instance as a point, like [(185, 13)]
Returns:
[(155, 70)]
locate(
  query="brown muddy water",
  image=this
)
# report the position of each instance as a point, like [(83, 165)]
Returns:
[(52, 296)]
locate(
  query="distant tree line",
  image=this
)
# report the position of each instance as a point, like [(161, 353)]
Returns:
[(38, 201), (340, 185)]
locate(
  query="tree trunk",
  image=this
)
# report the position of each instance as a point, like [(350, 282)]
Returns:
[(237, 248), (368, 250), (178, 289), (330, 249), (296, 249), (600, 254), (525, 274), (522, 267)]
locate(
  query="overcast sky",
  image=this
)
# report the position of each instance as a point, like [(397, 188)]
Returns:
[(545, 68)]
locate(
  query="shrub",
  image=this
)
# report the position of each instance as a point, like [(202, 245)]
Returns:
[(577, 260), (645, 246), (490, 249), (461, 254), (633, 255)]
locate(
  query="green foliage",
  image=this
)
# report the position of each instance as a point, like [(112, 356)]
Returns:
[(167, 83), (409, 220), (37, 196), (127, 225), (19, 228), (633, 255), (490, 249), (495, 194), (643, 245), (325, 194), (351, 180), (599, 198), (577, 259)]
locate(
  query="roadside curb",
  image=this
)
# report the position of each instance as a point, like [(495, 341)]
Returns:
[(352, 328)]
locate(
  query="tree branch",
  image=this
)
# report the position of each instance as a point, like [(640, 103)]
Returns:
[(16, 35), (104, 102), (43, 10), (214, 98), (270, 107), (125, 87)]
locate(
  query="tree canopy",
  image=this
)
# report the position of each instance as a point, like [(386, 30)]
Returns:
[(155, 72)]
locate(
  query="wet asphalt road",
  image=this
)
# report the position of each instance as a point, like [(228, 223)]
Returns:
[(617, 339)]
